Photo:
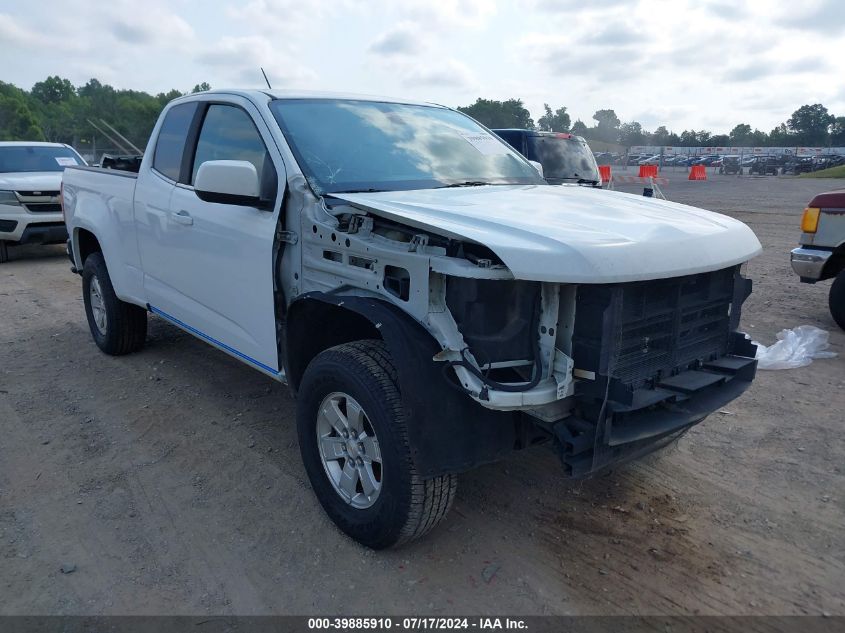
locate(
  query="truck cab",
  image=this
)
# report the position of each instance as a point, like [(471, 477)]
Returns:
[(432, 302)]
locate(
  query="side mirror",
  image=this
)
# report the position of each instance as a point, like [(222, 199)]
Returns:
[(228, 182), (538, 167)]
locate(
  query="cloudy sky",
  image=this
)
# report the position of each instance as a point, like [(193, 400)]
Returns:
[(684, 63)]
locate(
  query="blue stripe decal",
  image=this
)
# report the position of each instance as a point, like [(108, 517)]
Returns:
[(214, 341)]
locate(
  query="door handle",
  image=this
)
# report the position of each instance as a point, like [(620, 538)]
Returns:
[(182, 217)]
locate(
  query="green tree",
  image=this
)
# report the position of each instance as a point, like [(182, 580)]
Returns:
[(688, 138), (557, 121), (664, 137), (837, 132), (741, 134), (758, 138), (500, 114), (203, 87), (607, 126), (781, 135), (580, 128), (53, 90), (810, 124), (17, 123), (632, 134), (166, 97)]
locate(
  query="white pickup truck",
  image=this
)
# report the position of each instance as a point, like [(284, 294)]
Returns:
[(30, 176), (432, 302)]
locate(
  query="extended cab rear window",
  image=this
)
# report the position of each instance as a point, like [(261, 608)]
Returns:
[(172, 138)]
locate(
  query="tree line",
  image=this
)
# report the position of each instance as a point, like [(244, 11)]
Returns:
[(810, 125), (55, 110)]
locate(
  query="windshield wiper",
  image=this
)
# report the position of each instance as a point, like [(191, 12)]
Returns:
[(370, 190), (467, 183), (578, 179)]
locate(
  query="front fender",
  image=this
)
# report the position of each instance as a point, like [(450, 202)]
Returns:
[(448, 432)]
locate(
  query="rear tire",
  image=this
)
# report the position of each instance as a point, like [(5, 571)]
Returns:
[(117, 327), (836, 299), (4, 252), (359, 380)]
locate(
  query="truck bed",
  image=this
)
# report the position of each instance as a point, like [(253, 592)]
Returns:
[(102, 170)]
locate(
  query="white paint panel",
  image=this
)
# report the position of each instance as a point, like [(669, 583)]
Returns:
[(574, 234)]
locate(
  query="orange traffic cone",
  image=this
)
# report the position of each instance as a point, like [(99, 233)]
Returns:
[(648, 171), (698, 172)]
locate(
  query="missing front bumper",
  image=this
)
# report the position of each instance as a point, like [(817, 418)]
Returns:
[(656, 416)]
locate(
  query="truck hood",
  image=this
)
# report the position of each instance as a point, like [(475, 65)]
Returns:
[(572, 234), (31, 181)]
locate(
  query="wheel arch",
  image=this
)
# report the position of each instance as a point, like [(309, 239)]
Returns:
[(448, 431), (835, 263), (84, 244), (316, 322)]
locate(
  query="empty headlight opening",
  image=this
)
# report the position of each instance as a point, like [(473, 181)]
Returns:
[(499, 321)]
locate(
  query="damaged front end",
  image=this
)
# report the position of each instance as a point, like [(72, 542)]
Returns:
[(607, 372), (613, 371), (652, 359)]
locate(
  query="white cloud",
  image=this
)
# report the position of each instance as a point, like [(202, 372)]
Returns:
[(447, 14), (240, 59), (449, 73), (402, 39), (685, 63)]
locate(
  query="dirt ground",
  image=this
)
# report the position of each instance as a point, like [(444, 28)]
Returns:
[(170, 481)]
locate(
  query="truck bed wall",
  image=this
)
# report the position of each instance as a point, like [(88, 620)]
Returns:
[(101, 201)]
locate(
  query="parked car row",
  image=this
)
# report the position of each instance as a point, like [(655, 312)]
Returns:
[(803, 165), (731, 164), (609, 158)]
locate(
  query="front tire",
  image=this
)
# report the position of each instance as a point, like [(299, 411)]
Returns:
[(354, 445), (836, 299), (4, 252), (117, 327)]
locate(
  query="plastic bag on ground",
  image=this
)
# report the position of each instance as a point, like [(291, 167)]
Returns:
[(795, 348)]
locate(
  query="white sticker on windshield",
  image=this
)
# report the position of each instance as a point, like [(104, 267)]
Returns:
[(65, 161), (485, 143)]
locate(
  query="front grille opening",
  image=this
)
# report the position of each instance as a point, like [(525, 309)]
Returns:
[(49, 207), (642, 331), (37, 194)]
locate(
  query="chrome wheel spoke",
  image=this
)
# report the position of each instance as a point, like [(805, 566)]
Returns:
[(334, 416), (349, 479), (354, 415), (368, 480)]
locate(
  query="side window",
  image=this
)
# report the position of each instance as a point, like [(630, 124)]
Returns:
[(228, 133), (171, 140)]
